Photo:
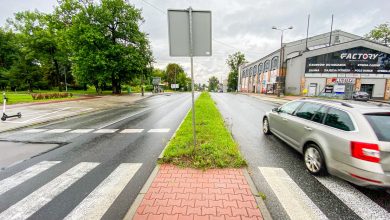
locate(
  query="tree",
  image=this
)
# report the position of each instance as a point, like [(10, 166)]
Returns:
[(234, 61), (172, 71), (7, 56), (381, 34), (106, 42), (213, 83)]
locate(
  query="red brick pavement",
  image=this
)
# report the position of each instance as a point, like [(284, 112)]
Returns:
[(183, 193)]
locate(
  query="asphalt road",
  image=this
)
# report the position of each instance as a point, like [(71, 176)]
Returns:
[(244, 115), (89, 164)]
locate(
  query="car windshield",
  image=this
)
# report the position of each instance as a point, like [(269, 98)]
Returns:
[(380, 122)]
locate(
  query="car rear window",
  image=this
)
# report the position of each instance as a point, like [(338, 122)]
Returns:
[(380, 122), (308, 110)]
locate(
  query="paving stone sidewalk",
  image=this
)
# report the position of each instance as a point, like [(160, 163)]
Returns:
[(184, 193)]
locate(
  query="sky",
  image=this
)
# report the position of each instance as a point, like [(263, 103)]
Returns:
[(239, 25)]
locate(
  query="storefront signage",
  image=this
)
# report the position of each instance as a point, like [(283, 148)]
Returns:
[(344, 80), (359, 60), (339, 89)]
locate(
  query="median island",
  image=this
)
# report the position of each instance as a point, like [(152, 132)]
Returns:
[(215, 145)]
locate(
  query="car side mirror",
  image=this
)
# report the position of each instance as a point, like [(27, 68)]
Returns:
[(276, 109)]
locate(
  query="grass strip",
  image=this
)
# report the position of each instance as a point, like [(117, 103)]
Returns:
[(215, 145)]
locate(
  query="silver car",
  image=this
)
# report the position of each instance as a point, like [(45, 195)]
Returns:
[(345, 139)]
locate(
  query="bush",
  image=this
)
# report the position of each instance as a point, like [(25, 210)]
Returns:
[(57, 95)]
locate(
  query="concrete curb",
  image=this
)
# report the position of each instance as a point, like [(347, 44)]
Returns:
[(133, 208), (260, 203)]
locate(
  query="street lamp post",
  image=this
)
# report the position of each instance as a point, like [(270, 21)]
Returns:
[(280, 57)]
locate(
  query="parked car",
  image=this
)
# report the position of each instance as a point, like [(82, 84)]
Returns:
[(345, 139), (361, 96)]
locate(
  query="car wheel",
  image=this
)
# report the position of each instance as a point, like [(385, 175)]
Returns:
[(266, 126), (314, 160)]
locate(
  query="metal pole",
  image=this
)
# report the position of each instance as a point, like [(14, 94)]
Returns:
[(66, 84), (4, 102), (175, 78), (280, 63), (331, 29), (307, 30), (192, 77)]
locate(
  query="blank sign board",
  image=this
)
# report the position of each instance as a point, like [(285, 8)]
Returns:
[(179, 33)]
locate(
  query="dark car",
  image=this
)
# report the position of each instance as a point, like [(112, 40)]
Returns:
[(361, 96)]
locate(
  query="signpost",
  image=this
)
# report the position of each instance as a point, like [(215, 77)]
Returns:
[(190, 35), (174, 86)]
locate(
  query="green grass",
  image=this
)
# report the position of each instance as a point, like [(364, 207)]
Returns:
[(17, 98), (215, 145)]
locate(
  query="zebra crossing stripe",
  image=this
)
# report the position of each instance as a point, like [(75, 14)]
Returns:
[(294, 201), (39, 198), (81, 131), (98, 201), (35, 130), (55, 131), (105, 131), (126, 131), (364, 207), (24, 175), (160, 130)]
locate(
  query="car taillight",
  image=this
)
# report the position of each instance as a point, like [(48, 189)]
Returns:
[(365, 151)]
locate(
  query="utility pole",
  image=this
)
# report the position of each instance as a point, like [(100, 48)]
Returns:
[(280, 58), (192, 76), (175, 78)]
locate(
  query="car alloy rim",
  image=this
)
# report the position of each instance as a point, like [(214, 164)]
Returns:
[(265, 126), (312, 159)]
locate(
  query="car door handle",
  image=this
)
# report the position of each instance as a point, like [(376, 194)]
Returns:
[(308, 128)]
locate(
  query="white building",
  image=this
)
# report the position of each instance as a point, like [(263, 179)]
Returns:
[(348, 62)]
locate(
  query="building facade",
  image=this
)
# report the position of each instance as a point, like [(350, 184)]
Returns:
[(316, 67)]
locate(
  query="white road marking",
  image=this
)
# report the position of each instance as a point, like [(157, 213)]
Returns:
[(82, 131), (104, 131), (363, 206), (129, 116), (99, 200), (159, 130), (293, 199), (39, 198), (132, 131), (41, 116), (56, 131), (18, 178), (35, 130)]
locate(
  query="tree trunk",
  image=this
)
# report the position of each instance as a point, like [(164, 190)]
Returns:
[(58, 74)]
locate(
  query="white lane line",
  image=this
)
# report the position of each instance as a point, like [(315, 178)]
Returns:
[(39, 198), (105, 131), (159, 130), (296, 203), (81, 131), (35, 130), (22, 176), (56, 131), (99, 200), (363, 206), (126, 117), (126, 131), (41, 116)]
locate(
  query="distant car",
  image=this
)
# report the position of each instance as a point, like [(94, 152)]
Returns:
[(361, 96), (345, 139)]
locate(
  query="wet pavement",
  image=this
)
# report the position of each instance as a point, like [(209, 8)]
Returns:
[(267, 156)]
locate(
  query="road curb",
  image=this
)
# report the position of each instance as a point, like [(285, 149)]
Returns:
[(260, 203), (133, 208)]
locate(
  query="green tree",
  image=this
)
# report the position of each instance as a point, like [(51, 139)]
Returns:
[(234, 61), (106, 42), (213, 83), (173, 70), (381, 34), (7, 56)]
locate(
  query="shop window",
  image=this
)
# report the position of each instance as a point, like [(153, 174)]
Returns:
[(255, 70), (250, 71), (274, 63)]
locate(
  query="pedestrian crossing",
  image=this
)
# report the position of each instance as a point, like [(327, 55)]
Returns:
[(299, 206), (93, 206), (96, 131)]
